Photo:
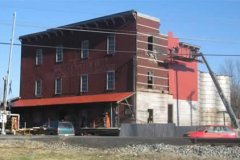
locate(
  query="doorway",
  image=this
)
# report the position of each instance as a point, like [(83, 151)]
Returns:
[(170, 113)]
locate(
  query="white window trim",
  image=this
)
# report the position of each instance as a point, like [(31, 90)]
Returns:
[(36, 88), (110, 52), (81, 86), (150, 74), (84, 49), (56, 85), (57, 60), (112, 71), (39, 60)]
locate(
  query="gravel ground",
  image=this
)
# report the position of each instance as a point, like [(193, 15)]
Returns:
[(34, 150)]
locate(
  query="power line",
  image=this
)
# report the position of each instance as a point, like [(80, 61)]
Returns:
[(89, 29), (50, 27), (67, 48), (104, 31), (121, 51), (210, 40), (123, 32)]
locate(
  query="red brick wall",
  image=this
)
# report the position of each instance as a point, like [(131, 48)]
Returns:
[(73, 66), (183, 76), (145, 63)]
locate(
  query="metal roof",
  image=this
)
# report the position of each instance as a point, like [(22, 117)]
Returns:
[(130, 12), (98, 98)]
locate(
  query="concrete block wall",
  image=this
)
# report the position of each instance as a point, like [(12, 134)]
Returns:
[(156, 101), (159, 103), (188, 112), (155, 130)]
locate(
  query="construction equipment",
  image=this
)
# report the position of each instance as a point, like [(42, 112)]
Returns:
[(228, 107), (221, 94)]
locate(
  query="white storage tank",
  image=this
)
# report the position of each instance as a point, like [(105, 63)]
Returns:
[(224, 82), (212, 110)]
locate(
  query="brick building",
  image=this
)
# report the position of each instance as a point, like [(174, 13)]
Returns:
[(118, 65)]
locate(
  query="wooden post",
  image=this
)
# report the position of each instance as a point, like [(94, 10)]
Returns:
[(111, 116)]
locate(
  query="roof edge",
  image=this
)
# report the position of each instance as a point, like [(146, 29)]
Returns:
[(148, 17), (188, 44), (81, 22)]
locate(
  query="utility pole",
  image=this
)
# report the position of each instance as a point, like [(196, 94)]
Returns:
[(6, 79)]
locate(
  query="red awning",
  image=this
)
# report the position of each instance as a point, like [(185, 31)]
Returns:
[(111, 97)]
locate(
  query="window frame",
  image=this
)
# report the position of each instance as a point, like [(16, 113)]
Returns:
[(113, 80), (150, 74), (81, 84), (84, 49), (39, 56), (150, 43), (111, 51), (59, 50), (38, 88), (58, 86)]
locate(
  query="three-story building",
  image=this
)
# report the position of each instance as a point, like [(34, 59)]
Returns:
[(118, 67)]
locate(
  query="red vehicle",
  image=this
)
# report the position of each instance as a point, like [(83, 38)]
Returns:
[(213, 131)]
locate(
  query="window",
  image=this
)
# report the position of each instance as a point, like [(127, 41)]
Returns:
[(111, 44), (58, 86), (210, 129), (39, 56), (84, 83), (59, 54), (38, 88), (150, 79), (150, 43), (85, 49), (110, 80)]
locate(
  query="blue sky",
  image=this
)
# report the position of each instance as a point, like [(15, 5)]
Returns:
[(211, 24)]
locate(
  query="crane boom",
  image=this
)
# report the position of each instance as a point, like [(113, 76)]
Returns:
[(221, 94)]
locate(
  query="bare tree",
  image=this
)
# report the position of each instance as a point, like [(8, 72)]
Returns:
[(232, 68)]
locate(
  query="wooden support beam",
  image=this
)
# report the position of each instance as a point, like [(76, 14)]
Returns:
[(28, 39), (113, 21), (106, 22), (96, 24), (61, 32), (123, 18), (36, 38), (56, 34), (48, 35)]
